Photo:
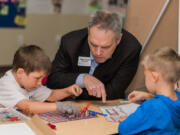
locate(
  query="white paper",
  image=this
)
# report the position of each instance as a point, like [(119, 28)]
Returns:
[(114, 112), (38, 6), (129, 108), (16, 129)]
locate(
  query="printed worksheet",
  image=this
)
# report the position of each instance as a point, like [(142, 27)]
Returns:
[(114, 112)]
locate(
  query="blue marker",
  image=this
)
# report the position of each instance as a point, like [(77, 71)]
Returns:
[(93, 113)]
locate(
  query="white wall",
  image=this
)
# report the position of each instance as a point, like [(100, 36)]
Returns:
[(42, 30)]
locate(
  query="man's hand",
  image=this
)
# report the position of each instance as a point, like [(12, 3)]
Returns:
[(67, 108), (139, 95), (94, 87), (74, 90)]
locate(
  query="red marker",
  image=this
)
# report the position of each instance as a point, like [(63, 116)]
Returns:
[(113, 119), (85, 108), (13, 118), (52, 126)]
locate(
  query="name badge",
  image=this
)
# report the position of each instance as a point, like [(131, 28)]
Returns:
[(84, 61)]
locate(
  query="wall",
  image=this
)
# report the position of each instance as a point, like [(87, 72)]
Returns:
[(41, 30), (165, 34)]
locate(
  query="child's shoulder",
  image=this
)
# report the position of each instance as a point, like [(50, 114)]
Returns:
[(178, 95), (8, 75), (177, 92), (7, 80), (153, 104)]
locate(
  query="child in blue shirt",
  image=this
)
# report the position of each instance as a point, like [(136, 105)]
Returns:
[(160, 115)]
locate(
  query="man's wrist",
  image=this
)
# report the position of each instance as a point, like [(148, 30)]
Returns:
[(68, 91), (80, 80)]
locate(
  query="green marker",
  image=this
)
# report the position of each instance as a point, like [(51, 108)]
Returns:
[(107, 111), (9, 115), (124, 101)]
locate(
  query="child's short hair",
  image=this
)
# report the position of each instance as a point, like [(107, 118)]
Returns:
[(166, 61), (31, 58)]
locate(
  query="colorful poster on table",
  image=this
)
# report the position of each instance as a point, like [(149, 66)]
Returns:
[(13, 13)]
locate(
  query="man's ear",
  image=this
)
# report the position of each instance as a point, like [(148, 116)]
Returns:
[(178, 85), (155, 76), (119, 39)]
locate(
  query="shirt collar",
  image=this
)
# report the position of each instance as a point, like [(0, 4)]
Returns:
[(91, 56)]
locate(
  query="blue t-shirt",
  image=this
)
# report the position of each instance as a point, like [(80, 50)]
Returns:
[(157, 116)]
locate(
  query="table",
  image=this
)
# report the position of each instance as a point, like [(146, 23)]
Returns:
[(94, 126)]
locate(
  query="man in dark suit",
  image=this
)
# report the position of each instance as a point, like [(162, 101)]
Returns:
[(102, 59)]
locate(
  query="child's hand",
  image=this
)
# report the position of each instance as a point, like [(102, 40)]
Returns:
[(67, 108), (139, 95), (121, 118), (74, 90)]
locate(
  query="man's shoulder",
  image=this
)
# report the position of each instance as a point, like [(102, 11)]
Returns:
[(72, 41), (130, 38), (129, 44), (76, 34), (127, 33)]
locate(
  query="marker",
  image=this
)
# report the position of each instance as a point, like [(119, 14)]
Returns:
[(113, 119), (107, 111), (115, 111), (52, 126), (85, 108), (13, 118), (94, 113), (123, 101)]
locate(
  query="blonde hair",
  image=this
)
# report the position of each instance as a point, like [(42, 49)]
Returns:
[(165, 61)]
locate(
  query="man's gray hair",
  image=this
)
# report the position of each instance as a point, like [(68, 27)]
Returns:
[(106, 20)]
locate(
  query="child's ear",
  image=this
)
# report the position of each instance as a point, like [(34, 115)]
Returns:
[(20, 71), (155, 76)]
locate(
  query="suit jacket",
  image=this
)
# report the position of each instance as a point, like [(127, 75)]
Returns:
[(116, 73)]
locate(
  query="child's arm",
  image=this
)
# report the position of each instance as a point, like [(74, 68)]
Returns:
[(139, 95), (41, 107), (147, 117), (60, 94), (35, 107)]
